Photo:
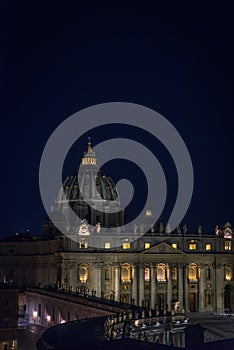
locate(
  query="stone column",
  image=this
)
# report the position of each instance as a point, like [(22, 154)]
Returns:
[(169, 286), (186, 304), (98, 279), (153, 286), (202, 289), (219, 287), (134, 282), (65, 277), (180, 285), (72, 275), (117, 281), (141, 284)]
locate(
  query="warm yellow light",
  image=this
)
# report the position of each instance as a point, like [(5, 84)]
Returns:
[(83, 244), (174, 245), (107, 245), (83, 274), (147, 274), (192, 272), (228, 245), (192, 246), (147, 245), (208, 246), (126, 246)]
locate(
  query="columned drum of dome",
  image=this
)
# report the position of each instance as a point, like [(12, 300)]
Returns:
[(95, 185)]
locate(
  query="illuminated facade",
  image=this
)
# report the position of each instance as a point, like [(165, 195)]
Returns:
[(152, 272)]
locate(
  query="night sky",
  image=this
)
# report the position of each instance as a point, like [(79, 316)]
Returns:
[(177, 60)]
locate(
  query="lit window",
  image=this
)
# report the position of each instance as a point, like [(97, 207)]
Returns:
[(107, 245), (161, 273), (228, 273), (125, 273), (228, 245), (83, 244), (147, 274), (208, 246), (192, 272), (83, 272), (126, 245), (147, 245), (192, 246), (174, 245)]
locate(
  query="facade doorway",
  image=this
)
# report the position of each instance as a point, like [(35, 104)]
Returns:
[(192, 302), (161, 302)]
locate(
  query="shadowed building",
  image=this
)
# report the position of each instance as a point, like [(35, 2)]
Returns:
[(8, 316)]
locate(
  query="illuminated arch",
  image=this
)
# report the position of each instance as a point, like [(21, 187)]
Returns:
[(125, 272), (161, 272)]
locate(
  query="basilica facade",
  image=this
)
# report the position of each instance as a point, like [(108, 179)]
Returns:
[(156, 271), (152, 272)]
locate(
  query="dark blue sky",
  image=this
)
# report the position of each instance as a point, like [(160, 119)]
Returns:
[(56, 60)]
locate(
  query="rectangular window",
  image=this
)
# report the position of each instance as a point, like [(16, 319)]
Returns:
[(208, 246), (107, 245), (228, 245), (192, 246), (126, 245), (147, 245), (83, 244), (174, 245)]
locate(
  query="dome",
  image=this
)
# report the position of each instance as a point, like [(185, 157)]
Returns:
[(93, 184)]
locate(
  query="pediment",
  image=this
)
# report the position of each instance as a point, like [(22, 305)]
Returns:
[(162, 248)]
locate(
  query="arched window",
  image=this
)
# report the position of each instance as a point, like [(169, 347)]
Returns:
[(125, 273), (147, 274), (228, 273), (161, 273), (192, 272), (83, 274)]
